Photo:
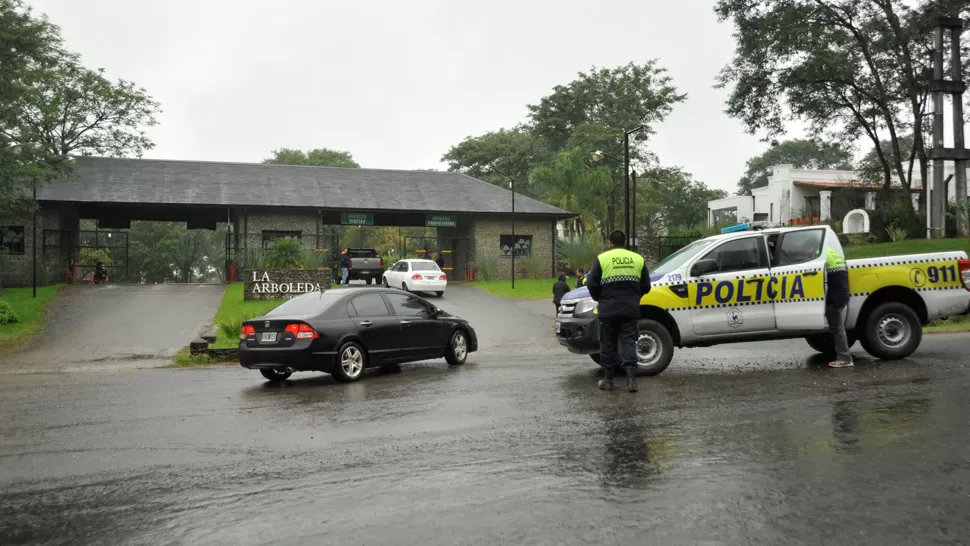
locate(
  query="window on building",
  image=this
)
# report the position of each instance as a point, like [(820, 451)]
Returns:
[(771, 212), (515, 245), (13, 239), (270, 237)]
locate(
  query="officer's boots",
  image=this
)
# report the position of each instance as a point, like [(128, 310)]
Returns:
[(631, 379), (606, 384)]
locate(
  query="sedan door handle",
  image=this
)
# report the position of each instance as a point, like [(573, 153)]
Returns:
[(366, 323), (405, 322)]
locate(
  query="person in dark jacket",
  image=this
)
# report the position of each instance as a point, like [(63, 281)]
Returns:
[(617, 280), (559, 290), (837, 306), (345, 267)]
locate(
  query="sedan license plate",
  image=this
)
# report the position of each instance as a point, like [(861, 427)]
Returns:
[(558, 326), (366, 272), (268, 337)]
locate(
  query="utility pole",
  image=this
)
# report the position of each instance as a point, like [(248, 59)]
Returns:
[(960, 165), (939, 153)]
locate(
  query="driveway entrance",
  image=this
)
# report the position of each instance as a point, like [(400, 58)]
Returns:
[(119, 322)]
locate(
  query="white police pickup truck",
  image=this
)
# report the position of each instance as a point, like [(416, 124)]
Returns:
[(750, 284)]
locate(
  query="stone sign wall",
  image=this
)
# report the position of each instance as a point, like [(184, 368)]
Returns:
[(280, 284)]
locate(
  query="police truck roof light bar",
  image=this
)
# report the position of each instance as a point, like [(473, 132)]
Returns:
[(743, 227)]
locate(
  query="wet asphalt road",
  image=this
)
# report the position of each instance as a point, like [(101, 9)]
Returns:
[(742, 444)]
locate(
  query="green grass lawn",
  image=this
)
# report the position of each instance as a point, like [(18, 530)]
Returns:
[(525, 289), (31, 311), (909, 246)]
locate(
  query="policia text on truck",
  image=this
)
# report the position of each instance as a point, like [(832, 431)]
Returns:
[(750, 284)]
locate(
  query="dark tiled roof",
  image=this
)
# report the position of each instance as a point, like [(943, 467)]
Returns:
[(111, 180)]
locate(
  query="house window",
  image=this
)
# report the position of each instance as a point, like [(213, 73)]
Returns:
[(270, 237), (515, 245), (13, 239), (771, 212)]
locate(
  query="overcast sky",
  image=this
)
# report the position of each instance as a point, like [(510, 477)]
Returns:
[(397, 83)]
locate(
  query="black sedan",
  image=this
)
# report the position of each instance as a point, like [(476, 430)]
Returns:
[(345, 330)]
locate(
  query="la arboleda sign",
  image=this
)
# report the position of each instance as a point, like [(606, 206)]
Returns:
[(284, 283)]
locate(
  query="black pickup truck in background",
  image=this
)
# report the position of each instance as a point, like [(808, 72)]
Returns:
[(365, 264)]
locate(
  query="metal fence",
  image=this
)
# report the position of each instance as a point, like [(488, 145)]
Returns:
[(70, 256)]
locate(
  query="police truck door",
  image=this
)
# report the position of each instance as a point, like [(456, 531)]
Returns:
[(798, 280), (732, 300)]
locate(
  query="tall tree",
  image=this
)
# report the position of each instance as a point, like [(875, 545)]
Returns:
[(70, 110), (669, 199), (572, 185), (851, 68), (52, 107), (26, 43), (800, 153), (500, 157), (592, 111), (318, 157)]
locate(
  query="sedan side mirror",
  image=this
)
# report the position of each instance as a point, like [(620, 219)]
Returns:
[(704, 267)]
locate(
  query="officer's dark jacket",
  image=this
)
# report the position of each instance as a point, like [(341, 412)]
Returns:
[(837, 275), (617, 280)]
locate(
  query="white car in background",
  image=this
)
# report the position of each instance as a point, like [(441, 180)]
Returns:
[(416, 276)]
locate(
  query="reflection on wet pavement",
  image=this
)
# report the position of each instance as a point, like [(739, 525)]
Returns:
[(512, 450)]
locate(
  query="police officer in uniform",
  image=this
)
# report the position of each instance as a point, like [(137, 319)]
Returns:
[(617, 280), (836, 306)]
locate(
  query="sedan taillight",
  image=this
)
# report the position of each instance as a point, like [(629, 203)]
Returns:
[(444, 277), (246, 332), (302, 331), (415, 277)]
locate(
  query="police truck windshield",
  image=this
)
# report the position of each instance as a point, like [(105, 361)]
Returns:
[(677, 260)]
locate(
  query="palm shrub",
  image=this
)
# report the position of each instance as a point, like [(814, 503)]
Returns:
[(285, 254), (486, 265), (579, 252), (230, 327), (312, 259), (254, 258), (534, 264)]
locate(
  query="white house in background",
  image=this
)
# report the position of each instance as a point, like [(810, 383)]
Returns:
[(801, 196)]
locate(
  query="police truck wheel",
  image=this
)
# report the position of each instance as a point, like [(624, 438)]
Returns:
[(655, 348), (892, 331)]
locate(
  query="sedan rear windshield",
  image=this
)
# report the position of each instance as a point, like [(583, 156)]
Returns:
[(424, 266), (310, 304)]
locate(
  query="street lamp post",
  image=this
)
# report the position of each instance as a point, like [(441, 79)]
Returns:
[(633, 236), (640, 136), (512, 186)]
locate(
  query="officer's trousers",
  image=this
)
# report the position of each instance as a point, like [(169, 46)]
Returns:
[(616, 332)]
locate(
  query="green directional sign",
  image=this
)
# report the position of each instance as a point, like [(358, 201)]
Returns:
[(356, 219), (438, 220)]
